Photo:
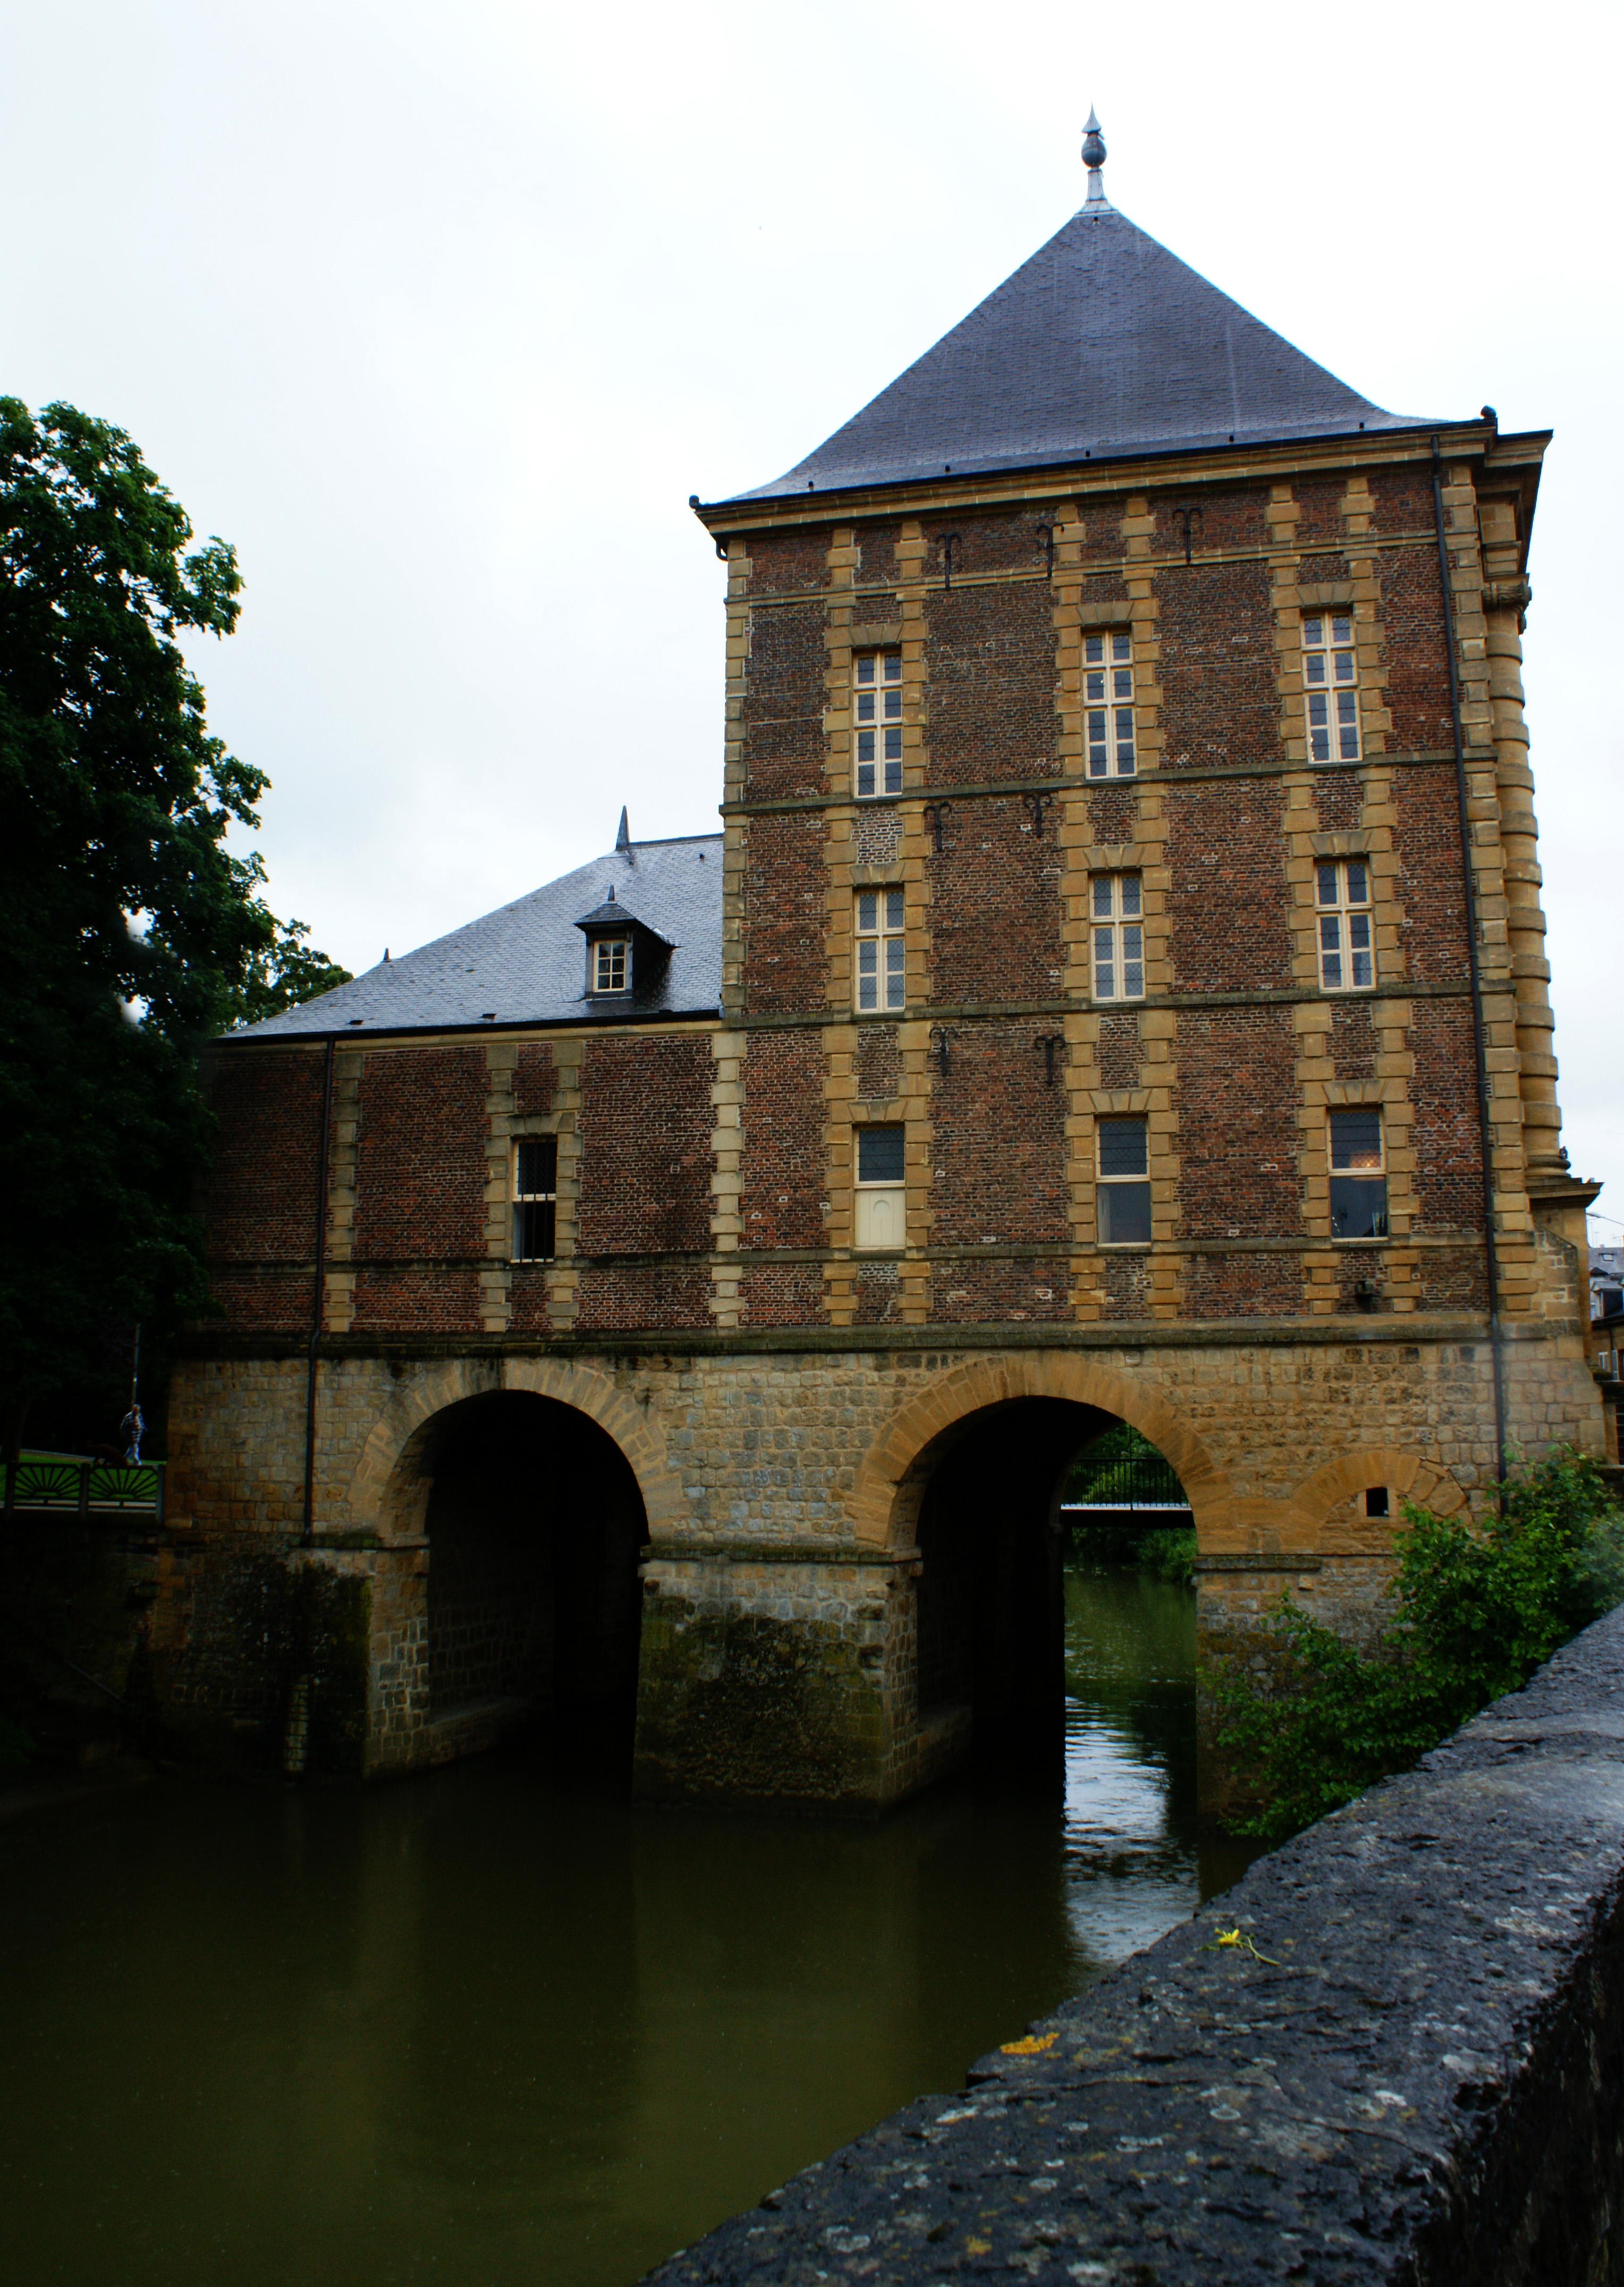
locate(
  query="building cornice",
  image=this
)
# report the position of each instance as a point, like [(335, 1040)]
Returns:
[(1476, 440)]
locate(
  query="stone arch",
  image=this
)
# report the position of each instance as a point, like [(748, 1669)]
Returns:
[(884, 1496), (1409, 1476), (388, 1489)]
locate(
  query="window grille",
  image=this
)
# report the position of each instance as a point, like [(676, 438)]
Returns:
[(876, 707), (1330, 671), (535, 1197), (1347, 949), (1107, 692), (881, 951), (1358, 1175), (1124, 1195), (1117, 904)]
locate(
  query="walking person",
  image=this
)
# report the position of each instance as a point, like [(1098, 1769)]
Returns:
[(131, 1429)]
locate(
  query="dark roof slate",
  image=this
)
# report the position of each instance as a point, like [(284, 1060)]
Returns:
[(525, 963), (1104, 343)]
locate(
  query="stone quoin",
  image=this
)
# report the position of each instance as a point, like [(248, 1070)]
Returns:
[(674, 1299)]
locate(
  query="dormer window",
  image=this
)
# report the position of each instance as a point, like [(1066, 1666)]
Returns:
[(624, 953), (611, 964)]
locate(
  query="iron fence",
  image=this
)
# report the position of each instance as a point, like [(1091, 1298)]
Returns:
[(60, 1484), (1121, 1481)]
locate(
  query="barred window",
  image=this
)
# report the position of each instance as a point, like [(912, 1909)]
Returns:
[(1330, 670), (1119, 936), (881, 1193), (535, 1197), (611, 964), (1124, 1190), (1107, 694), (876, 708), (1358, 1175), (881, 953), (1347, 953)]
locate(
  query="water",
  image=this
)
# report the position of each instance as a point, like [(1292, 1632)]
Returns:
[(482, 2028)]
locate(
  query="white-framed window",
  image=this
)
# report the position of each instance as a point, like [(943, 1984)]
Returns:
[(1123, 1193), (535, 1197), (1107, 703), (1358, 1174), (1330, 671), (1347, 941), (882, 950), (876, 714), (1116, 906), (880, 1191), (611, 964)]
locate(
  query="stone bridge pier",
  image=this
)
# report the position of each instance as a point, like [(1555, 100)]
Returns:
[(810, 1575)]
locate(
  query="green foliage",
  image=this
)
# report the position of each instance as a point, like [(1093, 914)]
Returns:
[(129, 932), (1315, 1720)]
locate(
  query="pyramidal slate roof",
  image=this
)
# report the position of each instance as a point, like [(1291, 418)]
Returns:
[(1104, 343), (525, 963)]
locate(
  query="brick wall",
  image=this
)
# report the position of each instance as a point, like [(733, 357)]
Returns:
[(645, 1165), (1417, 662), (783, 722), (999, 1150), (1444, 1092), (1219, 701), (407, 1298), (268, 1156), (990, 662), (784, 1074), (1431, 892), (786, 964), (1227, 904), (1236, 1100), (996, 906), (420, 1154)]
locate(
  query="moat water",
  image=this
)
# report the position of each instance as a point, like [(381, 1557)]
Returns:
[(488, 2029)]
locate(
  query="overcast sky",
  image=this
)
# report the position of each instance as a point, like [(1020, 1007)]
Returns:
[(440, 313)]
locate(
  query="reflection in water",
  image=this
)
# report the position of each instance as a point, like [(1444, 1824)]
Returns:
[(482, 2028)]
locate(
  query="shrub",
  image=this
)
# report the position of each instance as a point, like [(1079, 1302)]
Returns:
[(1477, 1608)]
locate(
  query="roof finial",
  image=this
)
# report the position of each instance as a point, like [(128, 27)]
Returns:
[(1094, 159), (623, 839)]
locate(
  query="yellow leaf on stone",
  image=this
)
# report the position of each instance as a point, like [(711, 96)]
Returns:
[(1033, 2045)]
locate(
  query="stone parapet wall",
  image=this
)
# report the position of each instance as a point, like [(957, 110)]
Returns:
[(1410, 2068)]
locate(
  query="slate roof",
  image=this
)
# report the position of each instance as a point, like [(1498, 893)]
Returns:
[(525, 963), (1103, 344)]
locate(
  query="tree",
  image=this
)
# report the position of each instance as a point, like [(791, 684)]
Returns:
[(129, 932)]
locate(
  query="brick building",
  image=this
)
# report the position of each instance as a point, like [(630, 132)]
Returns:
[(685, 1287)]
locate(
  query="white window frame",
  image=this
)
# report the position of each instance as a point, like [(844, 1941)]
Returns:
[(1116, 935), (1330, 683), (611, 974), (1356, 1166), (1344, 924), (1108, 1135), (877, 724), (523, 1228), (880, 970), (881, 1216), (1109, 741)]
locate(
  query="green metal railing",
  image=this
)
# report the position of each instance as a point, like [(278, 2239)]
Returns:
[(63, 1484)]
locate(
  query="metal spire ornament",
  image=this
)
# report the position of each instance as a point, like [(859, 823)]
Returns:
[(1094, 159)]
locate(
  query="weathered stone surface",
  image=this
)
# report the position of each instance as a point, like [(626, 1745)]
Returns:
[(1411, 2070)]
